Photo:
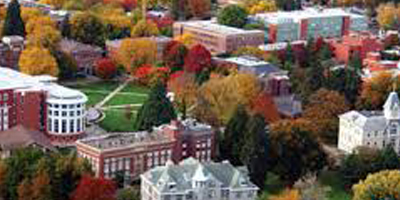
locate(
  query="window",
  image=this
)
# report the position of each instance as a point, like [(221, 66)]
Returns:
[(56, 125), (71, 106), (56, 113), (5, 97), (71, 113), (64, 113), (64, 126), (393, 129), (64, 106)]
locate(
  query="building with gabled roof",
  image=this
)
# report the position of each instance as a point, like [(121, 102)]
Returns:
[(375, 129), (191, 179)]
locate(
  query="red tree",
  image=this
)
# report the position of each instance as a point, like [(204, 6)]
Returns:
[(105, 68), (174, 55), (90, 188), (264, 104), (197, 59)]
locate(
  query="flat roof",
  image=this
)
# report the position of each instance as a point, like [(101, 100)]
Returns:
[(212, 26)]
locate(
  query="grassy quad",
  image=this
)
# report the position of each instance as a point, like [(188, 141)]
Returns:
[(115, 120)]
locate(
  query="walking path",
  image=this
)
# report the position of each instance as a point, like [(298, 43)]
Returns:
[(113, 93), (120, 106), (120, 93)]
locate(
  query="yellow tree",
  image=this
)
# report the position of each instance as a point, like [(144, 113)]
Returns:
[(112, 14), (186, 39), (135, 52), (28, 13), (145, 28), (35, 21), (185, 90), (381, 185), (262, 6), (375, 90), (223, 95), (287, 195), (42, 31), (57, 4), (387, 14), (35, 61)]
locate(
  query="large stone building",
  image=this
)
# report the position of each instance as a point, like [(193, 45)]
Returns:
[(284, 26), (37, 103), (219, 38), (193, 180), (136, 152), (376, 129)]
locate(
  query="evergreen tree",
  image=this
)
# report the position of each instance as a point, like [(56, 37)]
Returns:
[(325, 53), (355, 62), (234, 136), (255, 148), (13, 24), (157, 110), (66, 27), (289, 58), (388, 159)]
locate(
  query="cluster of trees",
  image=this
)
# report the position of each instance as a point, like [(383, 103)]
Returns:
[(388, 14), (31, 174), (271, 150)]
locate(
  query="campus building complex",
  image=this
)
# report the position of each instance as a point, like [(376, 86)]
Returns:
[(309, 23), (219, 38), (37, 103), (191, 179), (374, 129), (136, 152)]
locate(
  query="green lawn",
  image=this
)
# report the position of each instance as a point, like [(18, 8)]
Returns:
[(99, 86), (94, 98), (121, 99), (332, 179), (116, 121), (136, 89)]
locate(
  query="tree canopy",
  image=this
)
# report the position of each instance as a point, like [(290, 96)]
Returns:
[(232, 15), (13, 24)]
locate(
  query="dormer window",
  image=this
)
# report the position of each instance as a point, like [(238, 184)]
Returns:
[(171, 186)]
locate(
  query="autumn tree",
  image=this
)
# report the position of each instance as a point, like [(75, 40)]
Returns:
[(186, 39), (387, 15), (374, 90), (250, 51), (57, 4), (30, 64), (221, 96), (157, 110), (197, 59), (24, 190), (259, 6), (174, 55), (232, 15), (13, 24), (264, 105), (105, 68), (323, 109), (87, 28), (200, 8), (381, 185), (287, 195), (94, 189), (185, 90), (135, 52), (42, 31), (3, 173), (294, 145), (41, 188), (145, 28)]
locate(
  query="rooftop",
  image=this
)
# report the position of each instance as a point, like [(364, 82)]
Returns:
[(11, 79), (180, 177), (297, 15), (212, 26)]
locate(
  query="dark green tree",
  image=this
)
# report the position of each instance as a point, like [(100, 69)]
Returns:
[(128, 193), (119, 179), (157, 110), (89, 29), (13, 23), (325, 53), (232, 15), (355, 62), (388, 159), (233, 138), (346, 81), (65, 27), (295, 153), (255, 149), (66, 64)]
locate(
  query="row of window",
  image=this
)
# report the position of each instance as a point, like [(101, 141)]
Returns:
[(74, 125), (64, 106), (65, 113)]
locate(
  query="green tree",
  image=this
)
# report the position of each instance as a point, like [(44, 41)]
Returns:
[(87, 28), (346, 81), (294, 151), (66, 64), (255, 149), (128, 193), (325, 53), (355, 62), (157, 110), (65, 27), (13, 23), (233, 138), (232, 15)]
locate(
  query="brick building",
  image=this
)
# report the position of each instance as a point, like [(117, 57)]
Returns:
[(219, 38), (10, 50), (136, 152), (360, 43), (37, 103), (374, 63), (85, 55), (309, 23)]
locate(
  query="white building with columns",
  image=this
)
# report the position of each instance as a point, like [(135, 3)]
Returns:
[(375, 129)]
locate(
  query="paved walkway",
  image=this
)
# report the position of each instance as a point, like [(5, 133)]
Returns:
[(120, 106), (108, 92), (113, 93)]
